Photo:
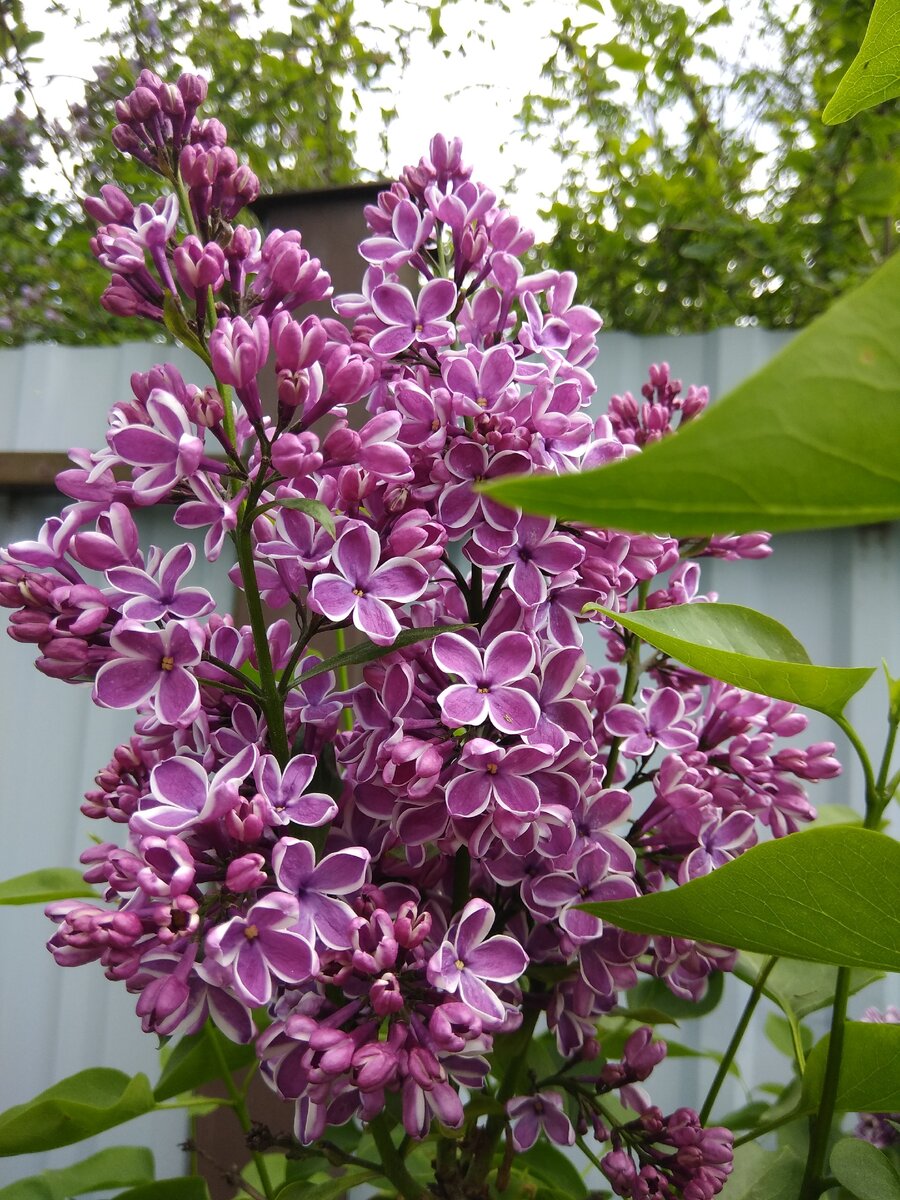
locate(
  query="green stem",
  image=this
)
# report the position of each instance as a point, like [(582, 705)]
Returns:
[(629, 687), (762, 1130), (272, 704), (873, 800), (392, 1164), (818, 1145), (240, 1107), (736, 1038), (881, 784), (493, 1129), (343, 678), (462, 866)]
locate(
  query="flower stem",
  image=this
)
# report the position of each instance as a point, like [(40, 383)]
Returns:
[(392, 1164), (629, 687), (240, 1106), (343, 678), (736, 1038), (818, 1145), (271, 701), (493, 1129)]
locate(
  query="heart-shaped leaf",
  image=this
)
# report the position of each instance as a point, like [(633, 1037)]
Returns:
[(44, 885), (870, 1070), (746, 648), (787, 449), (874, 75), (830, 896), (74, 1109), (121, 1166), (864, 1171)]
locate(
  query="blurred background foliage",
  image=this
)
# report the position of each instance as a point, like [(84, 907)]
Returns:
[(697, 186)]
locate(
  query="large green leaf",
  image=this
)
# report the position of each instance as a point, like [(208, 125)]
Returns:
[(870, 1070), (43, 885), (194, 1061), (746, 648), (74, 1109), (545, 1163), (764, 1174), (864, 1171), (191, 1188), (874, 75), (831, 896), (808, 442), (799, 987), (122, 1166)]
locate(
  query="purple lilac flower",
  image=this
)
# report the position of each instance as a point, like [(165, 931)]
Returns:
[(486, 691), (153, 665), (363, 588), (261, 945), (529, 1115), (467, 963)]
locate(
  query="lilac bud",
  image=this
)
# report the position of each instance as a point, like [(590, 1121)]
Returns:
[(207, 408), (374, 1066), (111, 206), (172, 102), (193, 89), (143, 104), (385, 995), (245, 873), (296, 455)]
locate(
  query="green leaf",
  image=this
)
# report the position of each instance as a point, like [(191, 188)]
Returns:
[(194, 1061), (176, 323), (831, 896), (870, 1070), (191, 1188), (745, 648), (313, 508), (325, 1187), (764, 1175), (874, 75), (41, 886), (74, 1109), (799, 987), (369, 652), (548, 1164), (785, 450), (778, 1031), (654, 993), (118, 1167), (626, 58), (864, 1171)]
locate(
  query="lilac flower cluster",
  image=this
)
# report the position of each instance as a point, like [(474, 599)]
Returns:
[(400, 890)]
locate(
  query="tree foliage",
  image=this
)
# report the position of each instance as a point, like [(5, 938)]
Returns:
[(702, 188), (289, 97)]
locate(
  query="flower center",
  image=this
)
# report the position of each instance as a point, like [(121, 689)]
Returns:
[(419, 328), (167, 662), (251, 932), (492, 768), (484, 691), (459, 964), (358, 592), (481, 401)]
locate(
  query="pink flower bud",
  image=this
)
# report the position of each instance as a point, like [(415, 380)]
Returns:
[(245, 873)]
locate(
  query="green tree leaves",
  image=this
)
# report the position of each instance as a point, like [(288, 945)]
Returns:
[(830, 896), (123, 1166), (865, 1172)]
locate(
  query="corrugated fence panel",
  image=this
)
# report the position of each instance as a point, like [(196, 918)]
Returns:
[(836, 590)]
